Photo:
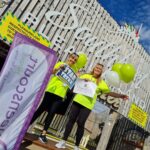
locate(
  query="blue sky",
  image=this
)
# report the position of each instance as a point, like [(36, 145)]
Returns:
[(134, 12)]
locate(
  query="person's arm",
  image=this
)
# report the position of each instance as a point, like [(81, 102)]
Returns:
[(117, 95), (58, 68)]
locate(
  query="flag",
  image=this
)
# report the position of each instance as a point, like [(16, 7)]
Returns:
[(137, 33), (22, 82)]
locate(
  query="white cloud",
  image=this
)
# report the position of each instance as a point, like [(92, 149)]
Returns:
[(145, 34)]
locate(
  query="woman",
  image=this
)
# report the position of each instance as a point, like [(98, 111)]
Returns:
[(55, 93), (82, 106)]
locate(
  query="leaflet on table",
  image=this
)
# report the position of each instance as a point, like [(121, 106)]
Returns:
[(67, 75), (87, 88)]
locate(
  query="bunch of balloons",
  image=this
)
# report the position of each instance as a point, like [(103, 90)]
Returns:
[(124, 72), (112, 78)]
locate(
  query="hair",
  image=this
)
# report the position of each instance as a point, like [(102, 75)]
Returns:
[(73, 54), (100, 64), (92, 72)]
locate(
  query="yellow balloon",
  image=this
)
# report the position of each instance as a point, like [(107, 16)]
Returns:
[(127, 72), (81, 60), (116, 67)]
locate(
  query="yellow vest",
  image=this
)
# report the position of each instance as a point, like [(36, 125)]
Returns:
[(89, 102), (55, 85)]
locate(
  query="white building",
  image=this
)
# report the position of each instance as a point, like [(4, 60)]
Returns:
[(85, 26)]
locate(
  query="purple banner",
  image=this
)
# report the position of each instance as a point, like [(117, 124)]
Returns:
[(22, 83)]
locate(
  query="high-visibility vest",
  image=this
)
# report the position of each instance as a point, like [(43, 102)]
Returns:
[(55, 85), (89, 102)]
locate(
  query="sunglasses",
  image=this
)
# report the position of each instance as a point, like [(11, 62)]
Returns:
[(75, 54)]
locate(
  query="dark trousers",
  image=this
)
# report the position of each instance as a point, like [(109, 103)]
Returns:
[(80, 114), (51, 103)]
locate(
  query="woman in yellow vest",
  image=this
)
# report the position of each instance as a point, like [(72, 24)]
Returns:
[(82, 105), (53, 99)]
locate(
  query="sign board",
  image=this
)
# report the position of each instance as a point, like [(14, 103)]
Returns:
[(84, 87), (67, 75), (137, 115), (10, 24), (22, 82), (111, 102)]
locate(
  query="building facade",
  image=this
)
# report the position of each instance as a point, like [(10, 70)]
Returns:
[(85, 26)]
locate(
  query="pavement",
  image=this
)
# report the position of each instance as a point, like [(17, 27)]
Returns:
[(31, 142), (31, 147)]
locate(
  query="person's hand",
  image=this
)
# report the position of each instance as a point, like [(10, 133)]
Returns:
[(124, 97), (62, 67), (78, 74)]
